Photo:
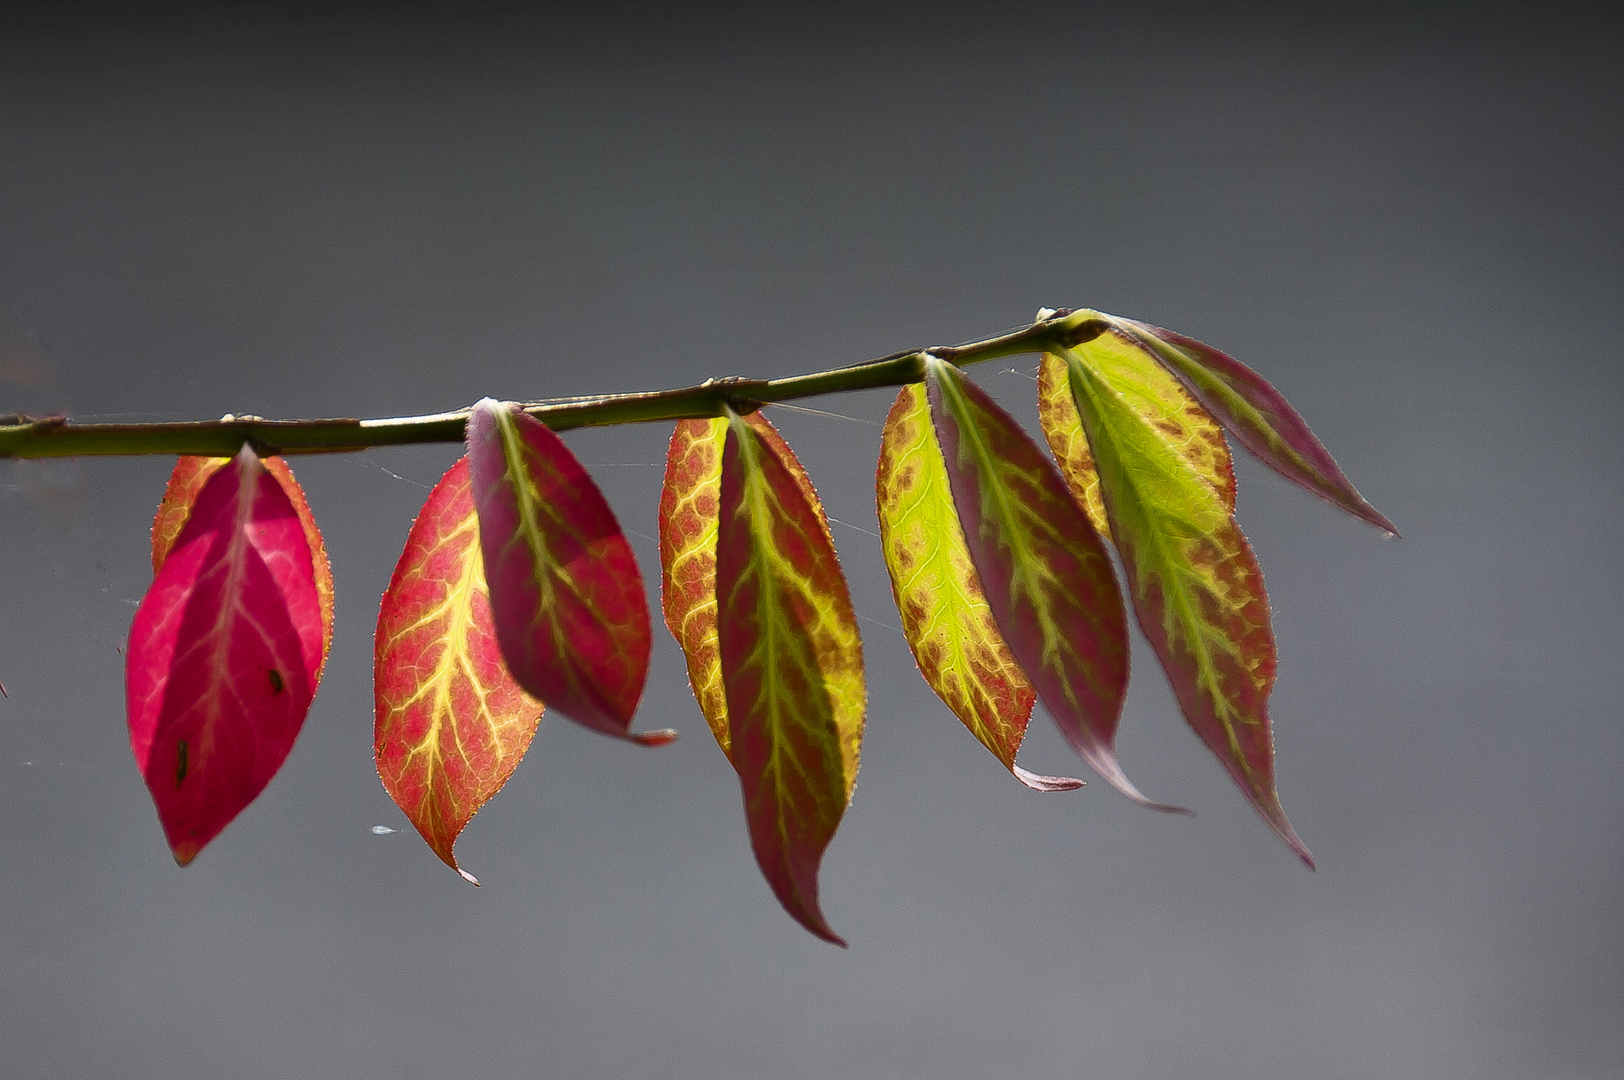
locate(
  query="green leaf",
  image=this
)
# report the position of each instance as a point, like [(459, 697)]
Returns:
[(945, 615), (1156, 395), (1195, 583)]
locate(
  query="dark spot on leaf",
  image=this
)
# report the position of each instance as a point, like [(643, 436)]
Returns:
[(180, 762), (276, 682)]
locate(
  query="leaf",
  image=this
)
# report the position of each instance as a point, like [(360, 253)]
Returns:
[(1157, 396), (566, 593), (792, 665), (1195, 584), (689, 503), (689, 509), (451, 723), (945, 615), (1044, 569), (224, 655), (187, 480), (1252, 411)]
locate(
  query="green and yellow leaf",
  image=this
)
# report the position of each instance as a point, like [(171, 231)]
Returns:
[(945, 615), (1252, 410), (1156, 396), (1195, 583)]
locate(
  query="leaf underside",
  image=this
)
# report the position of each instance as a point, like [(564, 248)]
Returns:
[(792, 665), (225, 652), (566, 594), (945, 615), (450, 724)]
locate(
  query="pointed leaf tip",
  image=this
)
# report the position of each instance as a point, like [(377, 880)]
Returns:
[(791, 661), (225, 652), (450, 723), (1044, 569), (566, 595)]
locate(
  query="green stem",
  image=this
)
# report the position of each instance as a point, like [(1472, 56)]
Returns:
[(24, 437)]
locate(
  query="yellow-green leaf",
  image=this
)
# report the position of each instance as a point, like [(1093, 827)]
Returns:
[(1252, 410), (1195, 584), (1156, 395), (945, 615)]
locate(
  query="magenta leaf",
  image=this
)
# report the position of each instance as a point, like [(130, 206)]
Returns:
[(224, 655)]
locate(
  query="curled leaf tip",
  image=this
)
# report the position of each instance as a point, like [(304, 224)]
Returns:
[(662, 737), (1038, 782), (1276, 817), (1110, 770)]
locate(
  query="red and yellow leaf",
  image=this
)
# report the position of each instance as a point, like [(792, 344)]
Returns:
[(188, 478), (792, 665), (1195, 584), (566, 594), (1251, 409), (1157, 396), (945, 615), (1044, 569), (225, 653), (689, 509), (689, 504), (451, 723)]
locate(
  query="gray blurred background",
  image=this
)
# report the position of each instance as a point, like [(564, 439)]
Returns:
[(1408, 220)]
